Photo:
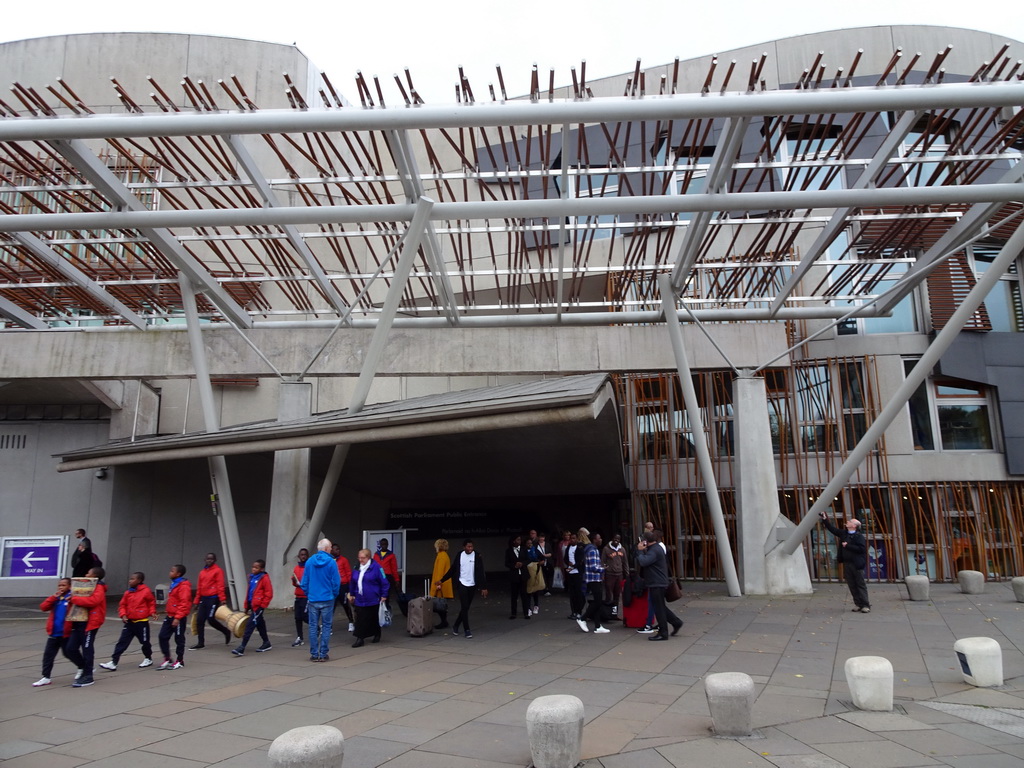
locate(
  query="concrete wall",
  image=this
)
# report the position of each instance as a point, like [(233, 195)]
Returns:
[(35, 500)]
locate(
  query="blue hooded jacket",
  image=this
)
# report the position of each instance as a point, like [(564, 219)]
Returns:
[(320, 580)]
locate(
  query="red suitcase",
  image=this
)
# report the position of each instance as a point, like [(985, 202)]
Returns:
[(634, 615)]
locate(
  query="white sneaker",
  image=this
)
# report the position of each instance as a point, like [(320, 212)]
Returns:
[(79, 673), (177, 665), (41, 682), (601, 630), (536, 610), (109, 665), (145, 663), (166, 665), (583, 625), (351, 627), (648, 630)]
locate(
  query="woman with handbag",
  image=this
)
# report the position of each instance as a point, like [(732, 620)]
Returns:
[(442, 593), (367, 590)]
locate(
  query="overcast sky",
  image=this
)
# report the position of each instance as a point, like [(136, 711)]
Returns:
[(434, 38)]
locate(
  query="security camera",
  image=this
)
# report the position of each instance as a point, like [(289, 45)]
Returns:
[(101, 473)]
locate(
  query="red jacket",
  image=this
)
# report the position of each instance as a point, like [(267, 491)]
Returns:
[(211, 582), (179, 601), (389, 563), (97, 605), (137, 605), (47, 605), (297, 572), (344, 570), (261, 595)]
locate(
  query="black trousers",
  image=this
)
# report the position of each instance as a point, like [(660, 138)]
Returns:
[(301, 616), (208, 615), (577, 597), (662, 613), (857, 584), (53, 645), (133, 630), (465, 600), (517, 591), (80, 647), (256, 621), (167, 630), (595, 610)]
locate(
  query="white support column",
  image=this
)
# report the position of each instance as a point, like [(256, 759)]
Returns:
[(699, 441), (417, 228), (221, 499), (289, 494), (757, 498)]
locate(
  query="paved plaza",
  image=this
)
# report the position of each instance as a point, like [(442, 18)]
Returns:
[(445, 701)]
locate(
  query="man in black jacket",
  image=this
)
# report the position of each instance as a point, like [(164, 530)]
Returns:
[(852, 553), (651, 556), (468, 573)]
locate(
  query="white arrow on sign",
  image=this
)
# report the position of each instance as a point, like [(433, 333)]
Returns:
[(28, 559)]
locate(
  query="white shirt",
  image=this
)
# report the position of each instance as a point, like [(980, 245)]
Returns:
[(467, 569)]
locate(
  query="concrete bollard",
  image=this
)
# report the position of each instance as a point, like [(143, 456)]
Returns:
[(554, 725), (311, 746), (917, 586), (731, 700), (981, 661), (971, 582), (1017, 582), (870, 679)]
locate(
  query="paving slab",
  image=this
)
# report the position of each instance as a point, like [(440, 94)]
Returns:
[(447, 701)]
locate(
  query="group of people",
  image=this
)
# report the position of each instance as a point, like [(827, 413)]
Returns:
[(326, 580), (320, 583)]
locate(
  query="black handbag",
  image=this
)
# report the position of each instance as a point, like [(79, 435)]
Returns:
[(672, 591)]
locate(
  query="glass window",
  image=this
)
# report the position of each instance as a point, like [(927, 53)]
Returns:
[(1003, 304), (957, 411)]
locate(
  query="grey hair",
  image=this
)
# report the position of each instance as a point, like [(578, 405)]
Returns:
[(324, 545)]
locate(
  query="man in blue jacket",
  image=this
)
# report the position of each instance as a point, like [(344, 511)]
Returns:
[(321, 583)]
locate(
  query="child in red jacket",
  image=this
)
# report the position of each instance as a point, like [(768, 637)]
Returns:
[(136, 608), (57, 627), (80, 647), (179, 603), (257, 598)]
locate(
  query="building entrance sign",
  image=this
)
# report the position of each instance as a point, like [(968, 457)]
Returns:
[(32, 557)]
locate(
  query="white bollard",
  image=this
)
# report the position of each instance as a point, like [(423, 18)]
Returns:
[(1017, 582), (870, 679), (971, 582), (731, 701), (981, 661), (917, 586), (311, 746), (554, 725)]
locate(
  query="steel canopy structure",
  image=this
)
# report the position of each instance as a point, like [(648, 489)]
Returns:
[(542, 208)]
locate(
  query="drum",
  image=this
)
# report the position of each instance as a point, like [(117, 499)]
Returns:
[(235, 621), (194, 625)]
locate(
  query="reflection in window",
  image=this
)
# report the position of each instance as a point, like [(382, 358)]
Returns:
[(960, 416), (1003, 303)]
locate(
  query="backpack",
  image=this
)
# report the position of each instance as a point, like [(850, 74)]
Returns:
[(96, 562)]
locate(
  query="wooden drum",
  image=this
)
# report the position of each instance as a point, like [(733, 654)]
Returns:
[(235, 621), (81, 587)]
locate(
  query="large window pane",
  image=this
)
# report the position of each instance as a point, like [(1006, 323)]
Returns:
[(964, 427)]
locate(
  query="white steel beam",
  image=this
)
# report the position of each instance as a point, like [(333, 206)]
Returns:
[(898, 400), (97, 172), (839, 218), (412, 182), (16, 314), (44, 253), (524, 209), (718, 174), (700, 437), (252, 171), (484, 114)]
